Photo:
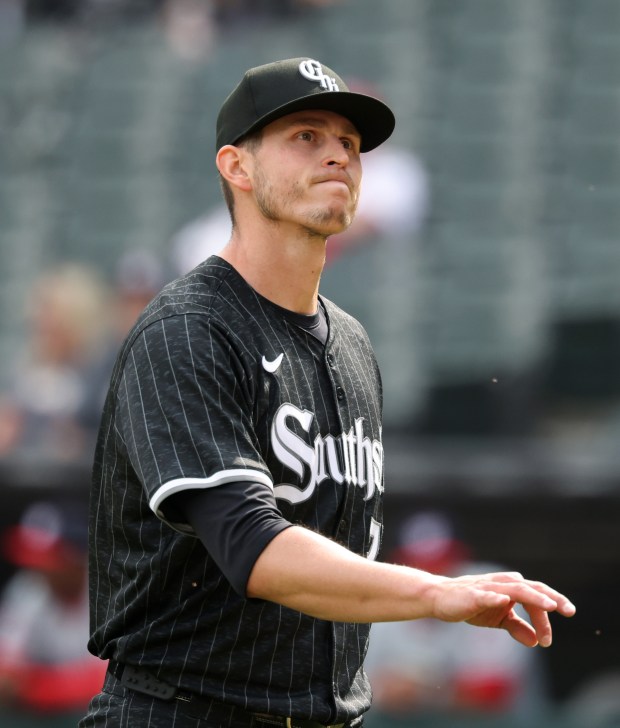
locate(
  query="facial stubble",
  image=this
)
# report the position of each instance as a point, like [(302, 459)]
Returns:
[(272, 207)]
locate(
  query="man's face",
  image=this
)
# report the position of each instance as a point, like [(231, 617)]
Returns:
[(307, 172)]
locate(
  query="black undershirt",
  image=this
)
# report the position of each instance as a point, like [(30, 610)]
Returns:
[(315, 324), (234, 522)]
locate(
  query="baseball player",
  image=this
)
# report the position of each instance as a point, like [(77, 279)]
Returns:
[(238, 479)]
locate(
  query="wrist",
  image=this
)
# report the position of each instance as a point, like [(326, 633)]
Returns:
[(427, 592)]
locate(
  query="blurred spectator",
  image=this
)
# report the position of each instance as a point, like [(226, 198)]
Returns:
[(45, 668), (229, 13), (66, 325), (188, 27), (200, 238), (425, 667), (139, 276)]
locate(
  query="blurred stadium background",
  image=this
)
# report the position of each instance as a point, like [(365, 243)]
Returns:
[(494, 307)]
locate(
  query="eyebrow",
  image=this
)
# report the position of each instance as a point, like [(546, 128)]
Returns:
[(318, 122)]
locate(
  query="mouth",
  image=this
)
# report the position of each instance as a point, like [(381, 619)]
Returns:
[(337, 182)]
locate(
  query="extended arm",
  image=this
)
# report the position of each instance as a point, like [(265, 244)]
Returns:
[(266, 557), (307, 572)]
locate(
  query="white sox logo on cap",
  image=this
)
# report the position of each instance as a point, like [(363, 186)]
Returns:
[(313, 71)]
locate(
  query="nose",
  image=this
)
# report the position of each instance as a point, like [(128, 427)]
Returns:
[(336, 154)]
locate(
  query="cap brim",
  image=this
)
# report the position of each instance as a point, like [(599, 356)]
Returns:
[(372, 118)]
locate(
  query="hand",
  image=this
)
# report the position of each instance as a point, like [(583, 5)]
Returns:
[(488, 600)]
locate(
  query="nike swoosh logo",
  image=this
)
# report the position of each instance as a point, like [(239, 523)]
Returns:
[(272, 366)]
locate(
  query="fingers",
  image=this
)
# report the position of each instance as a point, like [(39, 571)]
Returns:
[(520, 592), (541, 625), (488, 600), (532, 593), (538, 600), (510, 588), (523, 631), (564, 606)]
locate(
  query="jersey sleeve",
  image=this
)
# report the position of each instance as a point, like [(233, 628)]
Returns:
[(185, 410)]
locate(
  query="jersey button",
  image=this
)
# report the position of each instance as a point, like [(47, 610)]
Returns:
[(340, 393), (331, 360)]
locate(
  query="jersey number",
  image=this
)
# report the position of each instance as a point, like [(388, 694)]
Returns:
[(375, 539)]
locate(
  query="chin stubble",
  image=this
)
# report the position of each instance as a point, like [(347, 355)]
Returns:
[(270, 208)]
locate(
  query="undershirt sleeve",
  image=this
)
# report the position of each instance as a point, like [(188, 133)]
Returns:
[(234, 522)]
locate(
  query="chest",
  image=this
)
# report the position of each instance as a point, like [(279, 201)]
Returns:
[(318, 418)]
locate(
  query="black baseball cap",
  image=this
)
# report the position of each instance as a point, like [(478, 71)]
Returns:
[(268, 92)]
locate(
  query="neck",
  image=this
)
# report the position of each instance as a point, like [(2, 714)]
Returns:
[(283, 265)]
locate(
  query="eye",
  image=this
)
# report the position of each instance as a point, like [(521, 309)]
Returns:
[(306, 136), (351, 145)]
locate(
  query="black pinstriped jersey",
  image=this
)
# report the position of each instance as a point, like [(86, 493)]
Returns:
[(214, 385)]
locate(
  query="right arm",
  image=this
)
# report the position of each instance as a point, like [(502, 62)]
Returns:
[(307, 572)]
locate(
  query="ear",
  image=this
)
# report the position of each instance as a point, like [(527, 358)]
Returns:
[(230, 162)]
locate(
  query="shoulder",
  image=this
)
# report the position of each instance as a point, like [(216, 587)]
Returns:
[(207, 302), (211, 294), (195, 292)]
